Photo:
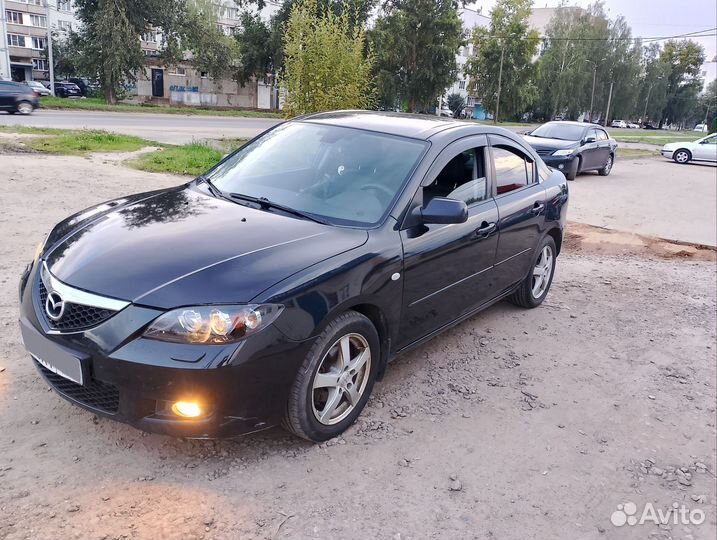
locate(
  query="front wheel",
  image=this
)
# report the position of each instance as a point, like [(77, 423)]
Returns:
[(335, 379), (535, 286), (607, 167), (24, 107), (682, 156)]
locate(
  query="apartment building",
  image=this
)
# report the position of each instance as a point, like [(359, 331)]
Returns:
[(24, 28)]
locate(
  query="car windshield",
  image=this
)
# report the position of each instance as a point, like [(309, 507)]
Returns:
[(343, 175), (559, 130)]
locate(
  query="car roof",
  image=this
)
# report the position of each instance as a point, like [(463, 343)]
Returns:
[(417, 126)]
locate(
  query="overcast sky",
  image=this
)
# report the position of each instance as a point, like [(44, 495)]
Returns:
[(655, 18)]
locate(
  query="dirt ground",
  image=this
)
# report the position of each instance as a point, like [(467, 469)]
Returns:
[(514, 425)]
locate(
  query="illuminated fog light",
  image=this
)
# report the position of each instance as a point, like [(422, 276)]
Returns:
[(187, 409)]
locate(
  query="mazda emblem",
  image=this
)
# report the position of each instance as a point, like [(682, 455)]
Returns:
[(54, 306)]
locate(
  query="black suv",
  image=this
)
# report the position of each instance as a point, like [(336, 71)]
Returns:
[(66, 89), (17, 98)]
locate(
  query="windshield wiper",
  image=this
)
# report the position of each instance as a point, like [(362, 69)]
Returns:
[(263, 202)]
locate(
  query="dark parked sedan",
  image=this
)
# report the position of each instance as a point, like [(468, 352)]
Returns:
[(67, 89), (574, 147), (17, 98), (276, 288)]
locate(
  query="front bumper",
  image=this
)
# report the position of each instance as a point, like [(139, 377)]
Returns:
[(667, 153), (242, 387), (564, 164)]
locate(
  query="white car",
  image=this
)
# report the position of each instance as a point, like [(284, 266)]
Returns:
[(702, 128), (633, 125), (619, 124), (38, 88), (704, 149)]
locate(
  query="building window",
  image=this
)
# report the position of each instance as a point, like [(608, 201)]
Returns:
[(39, 64), (151, 37), (15, 41), (38, 20), (64, 26), (462, 85), (39, 43), (14, 17), (178, 71), (64, 5), (203, 74)]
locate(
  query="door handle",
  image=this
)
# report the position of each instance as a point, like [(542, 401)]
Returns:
[(486, 228), (537, 208)]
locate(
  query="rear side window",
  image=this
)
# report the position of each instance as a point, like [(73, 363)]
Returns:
[(512, 170)]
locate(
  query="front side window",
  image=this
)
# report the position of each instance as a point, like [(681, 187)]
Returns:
[(601, 135), (463, 179), (512, 170), (345, 176), (710, 140)]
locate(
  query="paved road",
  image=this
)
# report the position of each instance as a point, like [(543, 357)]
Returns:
[(165, 128), (651, 196)]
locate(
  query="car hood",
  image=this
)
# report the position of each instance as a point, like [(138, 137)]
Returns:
[(540, 143), (675, 145), (182, 247)]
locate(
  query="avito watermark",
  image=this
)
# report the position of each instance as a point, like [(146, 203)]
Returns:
[(679, 514)]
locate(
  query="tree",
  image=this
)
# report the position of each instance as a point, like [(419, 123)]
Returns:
[(416, 42), (653, 88), (212, 51), (256, 54), (456, 103), (504, 59), (708, 104), (684, 81), (325, 67)]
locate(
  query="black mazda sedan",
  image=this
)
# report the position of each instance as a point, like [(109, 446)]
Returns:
[(275, 289), (574, 147)]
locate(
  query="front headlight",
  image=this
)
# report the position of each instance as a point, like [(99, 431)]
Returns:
[(212, 324), (564, 152)]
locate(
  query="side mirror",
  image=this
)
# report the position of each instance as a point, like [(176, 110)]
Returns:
[(589, 140), (526, 132), (442, 210)]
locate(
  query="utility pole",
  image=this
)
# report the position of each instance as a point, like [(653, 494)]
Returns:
[(500, 80), (50, 63), (644, 114), (592, 94), (609, 98)]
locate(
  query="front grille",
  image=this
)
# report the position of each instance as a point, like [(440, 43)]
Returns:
[(544, 152), (95, 394), (76, 316)]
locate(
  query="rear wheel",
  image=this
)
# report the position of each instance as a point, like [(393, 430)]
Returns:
[(24, 107), (607, 167), (535, 286), (682, 156), (335, 379)]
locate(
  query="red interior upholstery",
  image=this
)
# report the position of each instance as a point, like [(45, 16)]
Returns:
[(508, 187)]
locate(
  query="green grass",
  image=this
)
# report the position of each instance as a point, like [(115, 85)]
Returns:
[(25, 130), (655, 137), (98, 104), (85, 142), (190, 159), (636, 152)]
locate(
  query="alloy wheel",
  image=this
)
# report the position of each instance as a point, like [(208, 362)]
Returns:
[(682, 157), (341, 379), (542, 272), (608, 165), (24, 108)]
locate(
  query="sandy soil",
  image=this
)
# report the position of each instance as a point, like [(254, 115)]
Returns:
[(514, 425)]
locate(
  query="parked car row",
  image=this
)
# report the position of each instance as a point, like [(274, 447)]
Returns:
[(624, 124)]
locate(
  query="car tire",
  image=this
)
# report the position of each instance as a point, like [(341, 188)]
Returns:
[(531, 293), (682, 156), (317, 412), (25, 108), (607, 167)]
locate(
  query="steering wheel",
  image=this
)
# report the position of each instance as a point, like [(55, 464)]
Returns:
[(379, 187)]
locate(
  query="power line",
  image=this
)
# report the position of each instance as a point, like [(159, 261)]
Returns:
[(639, 38)]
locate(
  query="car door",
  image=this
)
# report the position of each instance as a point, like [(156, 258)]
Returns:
[(590, 150), (448, 268), (706, 149), (521, 203), (604, 147), (7, 99)]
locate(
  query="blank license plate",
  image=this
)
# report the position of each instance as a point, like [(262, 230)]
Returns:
[(52, 356)]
